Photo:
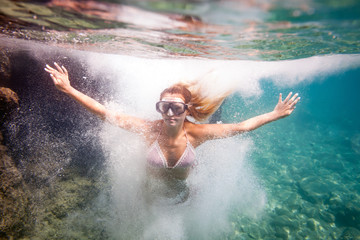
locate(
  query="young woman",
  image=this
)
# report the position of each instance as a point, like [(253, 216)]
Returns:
[(173, 139)]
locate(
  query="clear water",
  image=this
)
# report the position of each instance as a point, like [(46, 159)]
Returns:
[(297, 178)]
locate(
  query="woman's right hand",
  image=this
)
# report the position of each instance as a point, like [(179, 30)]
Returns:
[(60, 77)]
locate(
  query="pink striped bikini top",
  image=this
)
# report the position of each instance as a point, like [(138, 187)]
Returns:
[(156, 158)]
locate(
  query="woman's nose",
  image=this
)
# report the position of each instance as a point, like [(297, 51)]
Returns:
[(170, 113)]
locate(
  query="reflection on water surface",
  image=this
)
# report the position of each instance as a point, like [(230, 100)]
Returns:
[(205, 29)]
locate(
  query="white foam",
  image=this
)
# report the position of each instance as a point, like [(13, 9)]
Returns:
[(221, 181), (141, 80)]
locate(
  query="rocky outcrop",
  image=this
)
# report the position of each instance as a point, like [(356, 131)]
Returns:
[(14, 193), (14, 198), (9, 101), (4, 66), (46, 163)]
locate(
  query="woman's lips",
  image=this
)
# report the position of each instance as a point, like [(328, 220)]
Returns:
[(171, 119)]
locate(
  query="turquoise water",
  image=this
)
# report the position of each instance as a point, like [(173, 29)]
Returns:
[(297, 178), (309, 164)]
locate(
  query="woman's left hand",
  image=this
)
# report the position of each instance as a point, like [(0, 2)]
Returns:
[(286, 107)]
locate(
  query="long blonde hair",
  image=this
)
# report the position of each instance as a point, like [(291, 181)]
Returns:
[(200, 106)]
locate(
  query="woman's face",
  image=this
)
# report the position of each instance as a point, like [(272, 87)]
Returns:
[(170, 117)]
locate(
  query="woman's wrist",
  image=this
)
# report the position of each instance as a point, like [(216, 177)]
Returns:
[(273, 116), (69, 90)]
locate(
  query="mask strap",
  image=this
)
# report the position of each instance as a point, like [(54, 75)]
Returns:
[(172, 99)]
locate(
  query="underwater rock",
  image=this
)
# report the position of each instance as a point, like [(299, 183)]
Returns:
[(281, 233), (315, 190), (281, 211), (67, 197), (335, 165), (9, 100), (327, 217), (355, 143), (350, 234), (14, 194), (335, 200), (310, 211), (285, 221), (347, 215), (305, 233), (14, 198), (4, 67), (41, 146), (293, 202), (311, 224)]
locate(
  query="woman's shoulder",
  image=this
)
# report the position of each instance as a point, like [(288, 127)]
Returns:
[(194, 129), (194, 132), (153, 128), (193, 126)]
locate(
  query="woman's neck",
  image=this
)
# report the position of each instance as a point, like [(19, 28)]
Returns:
[(173, 131)]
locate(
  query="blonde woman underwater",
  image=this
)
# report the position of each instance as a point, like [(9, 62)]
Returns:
[(172, 140)]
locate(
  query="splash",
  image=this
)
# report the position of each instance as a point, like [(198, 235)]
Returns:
[(223, 179), (141, 80)]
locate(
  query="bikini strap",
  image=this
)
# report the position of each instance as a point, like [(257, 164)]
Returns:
[(187, 139)]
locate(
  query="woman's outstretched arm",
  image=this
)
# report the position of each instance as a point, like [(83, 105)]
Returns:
[(212, 131), (61, 80)]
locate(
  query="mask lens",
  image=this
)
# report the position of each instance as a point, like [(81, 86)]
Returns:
[(162, 107), (178, 108)]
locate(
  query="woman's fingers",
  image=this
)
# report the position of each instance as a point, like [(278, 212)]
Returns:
[(64, 69), (290, 100), (288, 97), (292, 105), (58, 68), (280, 97), (54, 79), (293, 98), (49, 69), (58, 72)]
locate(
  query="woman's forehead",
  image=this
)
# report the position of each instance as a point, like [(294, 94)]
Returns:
[(173, 98)]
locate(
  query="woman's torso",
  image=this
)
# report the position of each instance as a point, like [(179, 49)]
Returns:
[(169, 158)]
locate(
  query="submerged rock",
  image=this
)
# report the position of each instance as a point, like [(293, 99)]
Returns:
[(63, 204), (281, 233), (327, 217), (41, 145), (350, 234), (9, 100), (355, 144), (347, 215), (4, 67), (285, 222), (14, 198), (311, 224), (14, 193), (316, 190)]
